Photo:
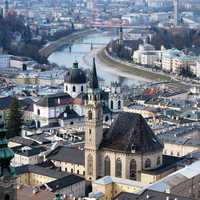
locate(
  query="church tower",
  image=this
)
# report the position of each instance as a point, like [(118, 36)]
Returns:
[(93, 126), (7, 172), (176, 12), (116, 101)]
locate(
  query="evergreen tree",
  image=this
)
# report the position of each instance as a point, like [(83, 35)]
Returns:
[(15, 119), (27, 34)]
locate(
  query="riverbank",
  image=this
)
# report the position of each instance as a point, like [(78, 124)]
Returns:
[(130, 68), (47, 50)]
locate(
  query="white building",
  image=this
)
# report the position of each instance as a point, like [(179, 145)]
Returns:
[(195, 69), (5, 60), (149, 58), (136, 18), (28, 156), (158, 4), (160, 16), (173, 60), (48, 109), (147, 55)]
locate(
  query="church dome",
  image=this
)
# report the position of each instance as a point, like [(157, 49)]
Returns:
[(75, 75)]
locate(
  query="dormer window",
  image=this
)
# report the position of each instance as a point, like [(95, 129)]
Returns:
[(111, 104), (119, 104)]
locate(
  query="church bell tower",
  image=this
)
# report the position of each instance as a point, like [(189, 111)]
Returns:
[(93, 126)]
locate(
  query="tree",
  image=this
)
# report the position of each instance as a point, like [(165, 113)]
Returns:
[(15, 119), (27, 35)]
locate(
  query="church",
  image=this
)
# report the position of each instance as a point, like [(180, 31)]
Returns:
[(68, 108), (124, 149)]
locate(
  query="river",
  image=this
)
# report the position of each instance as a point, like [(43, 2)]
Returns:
[(81, 52)]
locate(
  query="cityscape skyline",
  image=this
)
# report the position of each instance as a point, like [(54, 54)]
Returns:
[(99, 99)]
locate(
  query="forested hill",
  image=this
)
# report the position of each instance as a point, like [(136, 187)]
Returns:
[(180, 38), (16, 38)]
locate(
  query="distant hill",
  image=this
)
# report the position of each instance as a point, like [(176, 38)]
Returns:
[(181, 38), (16, 38)]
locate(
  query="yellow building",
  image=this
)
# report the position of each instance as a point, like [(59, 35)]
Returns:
[(69, 160), (27, 79), (180, 149), (146, 112), (149, 177), (51, 179), (109, 187)]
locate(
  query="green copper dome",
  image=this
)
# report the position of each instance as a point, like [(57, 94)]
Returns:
[(6, 155)]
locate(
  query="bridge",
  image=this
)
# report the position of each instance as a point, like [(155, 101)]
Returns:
[(91, 43), (53, 46), (110, 26)]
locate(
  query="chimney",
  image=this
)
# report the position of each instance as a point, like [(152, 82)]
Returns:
[(35, 190), (24, 67), (65, 115)]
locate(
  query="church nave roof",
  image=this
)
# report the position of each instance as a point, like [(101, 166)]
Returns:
[(130, 133)]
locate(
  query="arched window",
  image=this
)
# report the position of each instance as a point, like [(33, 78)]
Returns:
[(106, 118), (38, 124), (158, 160), (81, 88), (118, 168), (119, 104), (147, 163), (89, 114), (111, 104), (133, 170), (90, 165), (7, 197), (74, 89), (107, 166)]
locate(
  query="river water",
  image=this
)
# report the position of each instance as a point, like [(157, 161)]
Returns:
[(81, 51)]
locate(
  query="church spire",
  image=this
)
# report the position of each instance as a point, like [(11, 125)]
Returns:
[(6, 154), (93, 84)]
